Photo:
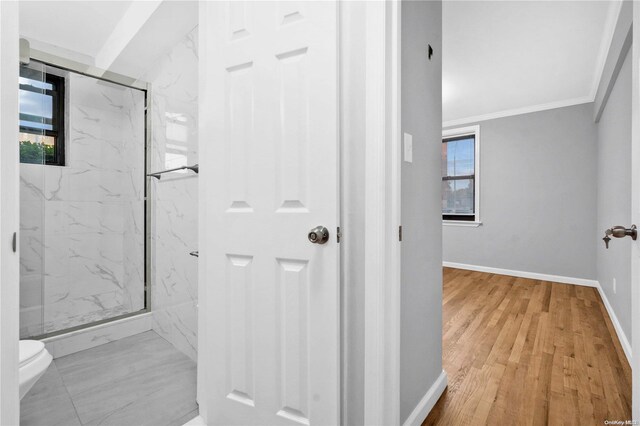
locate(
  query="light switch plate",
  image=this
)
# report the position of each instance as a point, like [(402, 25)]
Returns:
[(408, 148)]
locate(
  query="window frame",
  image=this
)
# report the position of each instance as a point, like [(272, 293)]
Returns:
[(57, 115), (460, 132)]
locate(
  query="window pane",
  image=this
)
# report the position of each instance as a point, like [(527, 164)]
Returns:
[(36, 149), (36, 110), (458, 157), (458, 196), (36, 83), (41, 107)]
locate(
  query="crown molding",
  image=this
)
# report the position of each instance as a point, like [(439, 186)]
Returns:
[(518, 111)]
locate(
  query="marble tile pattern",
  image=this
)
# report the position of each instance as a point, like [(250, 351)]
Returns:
[(174, 212), (138, 380), (82, 229)]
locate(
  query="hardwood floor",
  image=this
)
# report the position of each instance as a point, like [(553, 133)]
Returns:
[(520, 351)]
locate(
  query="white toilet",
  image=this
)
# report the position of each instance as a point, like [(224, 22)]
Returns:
[(34, 361)]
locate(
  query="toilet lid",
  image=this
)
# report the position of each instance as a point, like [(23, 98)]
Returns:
[(29, 349)]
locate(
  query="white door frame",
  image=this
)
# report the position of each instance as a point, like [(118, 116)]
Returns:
[(382, 214), (635, 212), (9, 215)]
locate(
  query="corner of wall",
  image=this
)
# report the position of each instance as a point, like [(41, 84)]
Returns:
[(428, 401)]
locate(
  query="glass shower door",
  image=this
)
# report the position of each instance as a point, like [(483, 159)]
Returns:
[(82, 181)]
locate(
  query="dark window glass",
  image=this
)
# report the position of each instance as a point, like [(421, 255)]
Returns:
[(41, 117), (458, 178)]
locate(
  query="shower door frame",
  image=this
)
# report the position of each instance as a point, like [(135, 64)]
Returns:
[(132, 83)]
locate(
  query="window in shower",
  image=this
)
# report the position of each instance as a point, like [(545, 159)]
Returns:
[(42, 106), (82, 226)]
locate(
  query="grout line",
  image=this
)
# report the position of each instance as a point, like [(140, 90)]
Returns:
[(73, 404), (122, 407)]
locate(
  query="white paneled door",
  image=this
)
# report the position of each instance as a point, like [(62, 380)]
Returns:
[(269, 174)]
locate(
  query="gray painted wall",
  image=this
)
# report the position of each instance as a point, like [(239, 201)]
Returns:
[(421, 289), (614, 195), (537, 174)]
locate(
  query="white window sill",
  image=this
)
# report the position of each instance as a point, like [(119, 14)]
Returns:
[(465, 223)]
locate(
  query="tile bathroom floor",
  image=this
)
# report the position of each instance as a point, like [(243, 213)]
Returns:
[(138, 380)]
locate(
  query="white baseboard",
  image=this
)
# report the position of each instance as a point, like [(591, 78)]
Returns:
[(626, 346), (523, 274), (422, 410)]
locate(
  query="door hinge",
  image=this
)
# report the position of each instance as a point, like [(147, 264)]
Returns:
[(400, 233), (338, 235), (14, 242)]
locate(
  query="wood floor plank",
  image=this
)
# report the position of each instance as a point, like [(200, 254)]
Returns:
[(530, 352)]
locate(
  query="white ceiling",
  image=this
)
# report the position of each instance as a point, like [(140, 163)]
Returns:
[(126, 37), (507, 57), (78, 26)]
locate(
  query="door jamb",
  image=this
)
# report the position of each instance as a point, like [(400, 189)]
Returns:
[(204, 378), (9, 215), (635, 212), (382, 214)]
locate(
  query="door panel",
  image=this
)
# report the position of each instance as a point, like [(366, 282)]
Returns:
[(270, 174)]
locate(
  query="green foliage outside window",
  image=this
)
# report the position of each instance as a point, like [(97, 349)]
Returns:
[(35, 153)]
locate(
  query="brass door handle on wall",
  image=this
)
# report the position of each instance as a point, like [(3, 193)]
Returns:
[(619, 232)]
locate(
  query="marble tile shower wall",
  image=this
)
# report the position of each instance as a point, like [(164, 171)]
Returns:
[(82, 225), (174, 293)]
